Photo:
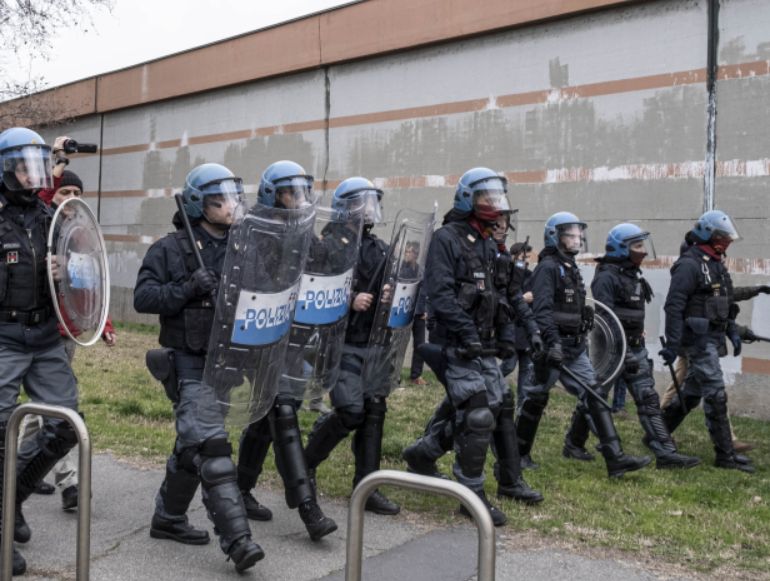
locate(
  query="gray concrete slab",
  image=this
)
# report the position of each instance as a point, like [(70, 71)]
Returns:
[(403, 548)]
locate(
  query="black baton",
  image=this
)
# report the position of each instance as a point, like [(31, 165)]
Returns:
[(674, 379)]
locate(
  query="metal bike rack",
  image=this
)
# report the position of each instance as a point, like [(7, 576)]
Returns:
[(479, 512), (84, 493)]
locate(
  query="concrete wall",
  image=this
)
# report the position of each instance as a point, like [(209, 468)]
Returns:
[(601, 113)]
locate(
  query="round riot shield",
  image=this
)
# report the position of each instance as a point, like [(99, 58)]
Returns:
[(78, 272), (317, 334), (606, 343), (402, 276), (265, 257)]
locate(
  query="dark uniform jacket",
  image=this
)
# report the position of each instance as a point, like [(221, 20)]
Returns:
[(185, 320), (700, 299), (559, 300), (368, 279), (459, 278), (27, 316), (619, 284)]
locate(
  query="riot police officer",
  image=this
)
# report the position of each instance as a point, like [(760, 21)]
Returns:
[(357, 408), (564, 319), (619, 284), (438, 437), (283, 185), (471, 320), (171, 284), (31, 349), (700, 313)]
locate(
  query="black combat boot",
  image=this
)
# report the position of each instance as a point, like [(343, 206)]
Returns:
[(245, 553), (367, 449), (576, 437), (656, 435), (498, 516), (510, 482), (526, 426), (178, 529), (224, 504), (255, 510), (618, 463), (378, 503), (418, 461), (21, 531), (255, 443), (318, 525), (715, 408)]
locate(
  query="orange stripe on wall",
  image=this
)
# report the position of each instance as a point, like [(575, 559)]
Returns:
[(456, 107)]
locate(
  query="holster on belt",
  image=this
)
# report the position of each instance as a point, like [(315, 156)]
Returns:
[(162, 367)]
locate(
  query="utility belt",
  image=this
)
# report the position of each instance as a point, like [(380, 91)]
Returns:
[(33, 317), (571, 340), (635, 340)]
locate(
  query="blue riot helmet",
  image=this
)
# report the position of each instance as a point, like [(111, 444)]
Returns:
[(629, 241), (363, 189), (26, 163), (210, 187), (482, 192), (716, 229), (284, 184), (566, 232)]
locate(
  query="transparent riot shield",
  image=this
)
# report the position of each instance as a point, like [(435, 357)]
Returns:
[(320, 319), (606, 343), (265, 256), (78, 272), (402, 276)]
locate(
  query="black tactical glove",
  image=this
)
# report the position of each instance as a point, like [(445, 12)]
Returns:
[(588, 318), (202, 282), (470, 350), (746, 334), (668, 355), (554, 357), (505, 350), (536, 344), (631, 364)]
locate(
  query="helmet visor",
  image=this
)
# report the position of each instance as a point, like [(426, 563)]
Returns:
[(27, 168), (372, 206), (224, 208), (572, 237), (641, 244), (726, 229), (295, 192)]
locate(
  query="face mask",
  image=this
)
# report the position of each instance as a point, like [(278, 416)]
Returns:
[(637, 257)]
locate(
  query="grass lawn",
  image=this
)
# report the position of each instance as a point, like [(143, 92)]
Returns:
[(704, 519)]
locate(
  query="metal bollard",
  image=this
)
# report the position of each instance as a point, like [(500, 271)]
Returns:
[(479, 512), (84, 494)]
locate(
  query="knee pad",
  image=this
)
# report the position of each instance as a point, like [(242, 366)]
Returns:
[(717, 402), (217, 470), (479, 420), (350, 420)]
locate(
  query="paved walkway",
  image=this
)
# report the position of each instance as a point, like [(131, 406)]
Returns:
[(396, 549)]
